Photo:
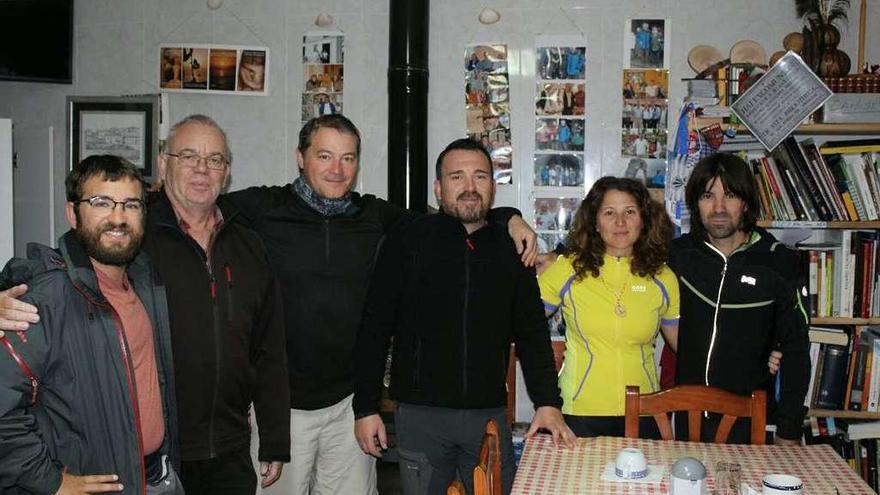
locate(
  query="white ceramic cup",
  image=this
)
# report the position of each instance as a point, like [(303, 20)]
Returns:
[(631, 464), (781, 484)]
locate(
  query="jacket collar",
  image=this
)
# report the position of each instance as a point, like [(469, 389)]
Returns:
[(160, 211)]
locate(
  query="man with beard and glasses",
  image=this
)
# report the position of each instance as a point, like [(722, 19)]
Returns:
[(225, 317), (742, 296), (87, 394), (451, 291)]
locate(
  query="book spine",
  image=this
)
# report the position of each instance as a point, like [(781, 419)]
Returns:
[(832, 383), (813, 284), (811, 190)]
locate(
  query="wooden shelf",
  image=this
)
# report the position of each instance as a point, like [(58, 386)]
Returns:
[(786, 224), (844, 321), (824, 413)]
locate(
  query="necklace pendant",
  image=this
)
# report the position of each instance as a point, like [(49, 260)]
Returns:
[(619, 310)]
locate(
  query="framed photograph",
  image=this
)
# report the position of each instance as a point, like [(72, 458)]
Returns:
[(127, 126), (215, 69)]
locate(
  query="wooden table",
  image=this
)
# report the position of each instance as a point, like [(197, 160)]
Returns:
[(546, 469)]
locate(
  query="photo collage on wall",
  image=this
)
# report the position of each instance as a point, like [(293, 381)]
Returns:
[(323, 60), (214, 69), (487, 105), (645, 101), (560, 136)]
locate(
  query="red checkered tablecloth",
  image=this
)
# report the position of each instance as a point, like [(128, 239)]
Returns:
[(549, 470)]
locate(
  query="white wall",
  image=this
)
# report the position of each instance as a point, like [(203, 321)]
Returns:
[(116, 52)]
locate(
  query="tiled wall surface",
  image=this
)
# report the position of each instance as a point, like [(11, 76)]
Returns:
[(116, 52)]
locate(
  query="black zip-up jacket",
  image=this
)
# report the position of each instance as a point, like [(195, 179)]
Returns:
[(734, 311), (227, 335), (81, 412), (323, 264), (453, 303)]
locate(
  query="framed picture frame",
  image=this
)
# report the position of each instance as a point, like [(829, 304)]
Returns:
[(214, 69), (127, 126)]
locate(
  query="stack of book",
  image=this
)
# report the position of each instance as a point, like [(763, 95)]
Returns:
[(800, 182), (843, 274), (845, 368)]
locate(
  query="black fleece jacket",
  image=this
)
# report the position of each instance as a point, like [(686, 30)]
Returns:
[(756, 294), (453, 303), (323, 264), (227, 335)]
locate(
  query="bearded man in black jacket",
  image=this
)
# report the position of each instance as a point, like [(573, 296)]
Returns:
[(742, 296), (452, 292)]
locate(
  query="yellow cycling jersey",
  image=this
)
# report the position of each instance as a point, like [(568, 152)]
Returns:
[(611, 324)]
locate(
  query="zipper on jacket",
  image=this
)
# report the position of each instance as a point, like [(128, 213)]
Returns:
[(35, 384), (129, 376), (209, 257), (327, 240), (717, 310), (132, 392), (464, 316), (229, 287), (215, 312)]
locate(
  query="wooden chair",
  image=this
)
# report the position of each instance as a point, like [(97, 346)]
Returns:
[(558, 354), (487, 473), (695, 399), (455, 488)]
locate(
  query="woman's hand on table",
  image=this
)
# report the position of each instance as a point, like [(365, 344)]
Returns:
[(550, 419)]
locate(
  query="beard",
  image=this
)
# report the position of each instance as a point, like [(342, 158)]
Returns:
[(114, 254), (722, 231), (470, 213)]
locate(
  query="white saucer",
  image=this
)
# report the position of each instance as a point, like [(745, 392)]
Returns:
[(655, 474)]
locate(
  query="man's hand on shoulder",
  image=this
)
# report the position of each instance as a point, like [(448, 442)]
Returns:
[(543, 261), (525, 239), (15, 316), (81, 485), (550, 419), (370, 434)]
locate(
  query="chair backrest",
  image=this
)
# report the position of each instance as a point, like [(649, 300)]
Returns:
[(695, 399), (487, 473), (455, 488), (558, 354)]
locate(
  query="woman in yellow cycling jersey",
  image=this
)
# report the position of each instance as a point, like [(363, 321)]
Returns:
[(616, 293)]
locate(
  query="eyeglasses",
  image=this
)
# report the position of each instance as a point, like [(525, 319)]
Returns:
[(213, 162), (106, 205)]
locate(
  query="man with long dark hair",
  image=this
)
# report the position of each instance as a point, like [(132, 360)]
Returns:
[(742, 296)]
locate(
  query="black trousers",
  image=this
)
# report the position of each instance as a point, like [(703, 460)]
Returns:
[(436, 444), (610, 426), (229, 474)]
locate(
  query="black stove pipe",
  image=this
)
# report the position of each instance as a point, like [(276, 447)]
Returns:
[(408, 104)]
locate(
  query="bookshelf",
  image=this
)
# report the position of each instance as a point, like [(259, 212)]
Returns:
[(835, 413), (776, 224), (795, 167)]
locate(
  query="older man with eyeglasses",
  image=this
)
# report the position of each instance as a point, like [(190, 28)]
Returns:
[(225, 316)]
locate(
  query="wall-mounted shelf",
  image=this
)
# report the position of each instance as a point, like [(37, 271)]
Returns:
[(824, 413), (843, 321), (776, 224)]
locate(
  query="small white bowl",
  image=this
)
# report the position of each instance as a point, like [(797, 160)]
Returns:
[(781, 484), (631, 464)]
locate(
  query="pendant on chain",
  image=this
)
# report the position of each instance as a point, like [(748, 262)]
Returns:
[(619, 310)]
